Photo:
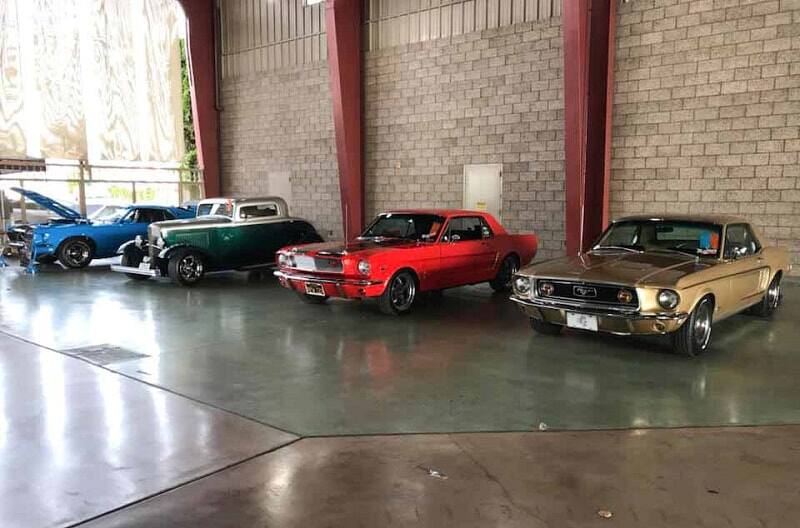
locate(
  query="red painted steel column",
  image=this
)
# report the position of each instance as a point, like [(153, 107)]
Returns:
[(200, 39), (343, 29), (589, 45)]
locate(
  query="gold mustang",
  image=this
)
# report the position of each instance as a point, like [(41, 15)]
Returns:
[(669, 275)]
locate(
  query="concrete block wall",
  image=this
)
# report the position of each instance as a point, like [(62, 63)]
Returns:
[(491, 96), (279, 124), (707, 112)]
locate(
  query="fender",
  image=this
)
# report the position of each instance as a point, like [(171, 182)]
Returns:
[(121, 249), (167, 252)]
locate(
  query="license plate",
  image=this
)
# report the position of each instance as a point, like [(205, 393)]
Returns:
[(145, 266), (313, 288), (582, 321)]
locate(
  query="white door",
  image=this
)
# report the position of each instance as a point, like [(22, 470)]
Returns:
[(483, 187), (279, 184)]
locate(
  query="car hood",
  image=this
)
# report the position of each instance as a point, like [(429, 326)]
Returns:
[(620, 267), (361, 247), (201, 221), (48, 203)]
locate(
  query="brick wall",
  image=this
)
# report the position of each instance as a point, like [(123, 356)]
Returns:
[(492, 96), (707, 111), (280, 124)]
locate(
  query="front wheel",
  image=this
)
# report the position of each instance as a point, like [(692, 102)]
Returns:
[(502, 282), (771, 300), (545, 328), (693, 337), (399, 295), (75, 253), (132, 256), (186, 267)]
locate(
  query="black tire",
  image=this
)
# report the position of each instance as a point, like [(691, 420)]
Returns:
[(186, 267), (46, 259), (693, 337), (75, 253), (502, 282), (771, 300), (132, 256), (545, 328), (400, 293), (312, 299)]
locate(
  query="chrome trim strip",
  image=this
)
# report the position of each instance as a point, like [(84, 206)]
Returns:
[(135, 271), (309, 278), (600, 310)]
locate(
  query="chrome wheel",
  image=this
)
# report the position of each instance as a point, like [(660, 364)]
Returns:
[(702, 326), (774, 294), (190, 268), (402, 292)]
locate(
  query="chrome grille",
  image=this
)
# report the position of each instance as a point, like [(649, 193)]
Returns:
[(586, 292), (325, 265)]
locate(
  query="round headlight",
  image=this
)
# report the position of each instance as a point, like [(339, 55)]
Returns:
[(522, 284), (668, 299), (283, 260), (624, 296), (546, 289), (363, 267)]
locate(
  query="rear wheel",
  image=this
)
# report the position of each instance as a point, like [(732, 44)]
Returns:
[(771, 300), (693, 337), (75, 253), (399, 295), (186, 267), (132, 256), (543, 327), (502, 282)]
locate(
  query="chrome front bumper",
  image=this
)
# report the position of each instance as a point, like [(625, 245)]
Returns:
[(625, 322), (136, 271), (338, 282)]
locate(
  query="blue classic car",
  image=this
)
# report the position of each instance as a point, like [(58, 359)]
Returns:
[(74, 240)]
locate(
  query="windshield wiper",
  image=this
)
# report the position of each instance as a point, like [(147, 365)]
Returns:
[(678, 251), (624, 248)]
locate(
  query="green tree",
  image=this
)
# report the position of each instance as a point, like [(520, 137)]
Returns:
[(190, 156)]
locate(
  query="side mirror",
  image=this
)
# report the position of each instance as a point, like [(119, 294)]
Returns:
[(455, 238)]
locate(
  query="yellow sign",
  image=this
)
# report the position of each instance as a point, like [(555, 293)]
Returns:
[(480, 206)]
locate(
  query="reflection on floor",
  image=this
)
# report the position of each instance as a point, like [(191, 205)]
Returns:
[(464, 363)]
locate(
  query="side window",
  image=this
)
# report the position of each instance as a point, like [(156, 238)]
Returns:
[(739, 238), (258, 211), (204, 209), (486, 231), (166, 215), (465, 228)]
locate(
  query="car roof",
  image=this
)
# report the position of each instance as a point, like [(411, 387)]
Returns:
[(438, 212), (243, 200), (705, 218)]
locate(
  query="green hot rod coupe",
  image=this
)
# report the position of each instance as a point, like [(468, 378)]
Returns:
[(227, 234)]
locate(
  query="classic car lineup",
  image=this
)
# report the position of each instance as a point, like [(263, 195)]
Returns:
[(674, 275), (402, 253)]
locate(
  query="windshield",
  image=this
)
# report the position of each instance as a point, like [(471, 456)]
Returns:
[(691, 238), (421, 227), (114, 216), (106, 213)]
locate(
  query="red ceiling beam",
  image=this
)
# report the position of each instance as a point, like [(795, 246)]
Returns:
[(343, 29), (200, 34), (589, 28)]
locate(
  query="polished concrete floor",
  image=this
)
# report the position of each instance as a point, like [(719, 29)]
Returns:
[(240, 350)]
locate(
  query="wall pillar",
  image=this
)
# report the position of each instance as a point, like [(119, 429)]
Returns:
[(202, 60), (343, 31), (589, 44)]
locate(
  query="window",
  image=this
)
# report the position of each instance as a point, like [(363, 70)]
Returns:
[(467, 228), (223, 209), (739, 239), (423, 227), (204, 209), (258, 210), (692, 238)]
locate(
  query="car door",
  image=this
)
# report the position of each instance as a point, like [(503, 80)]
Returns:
[(111, 236), (747, 273), (467, 254)]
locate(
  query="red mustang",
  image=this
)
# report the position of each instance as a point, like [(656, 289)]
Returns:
[(403, 253)]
